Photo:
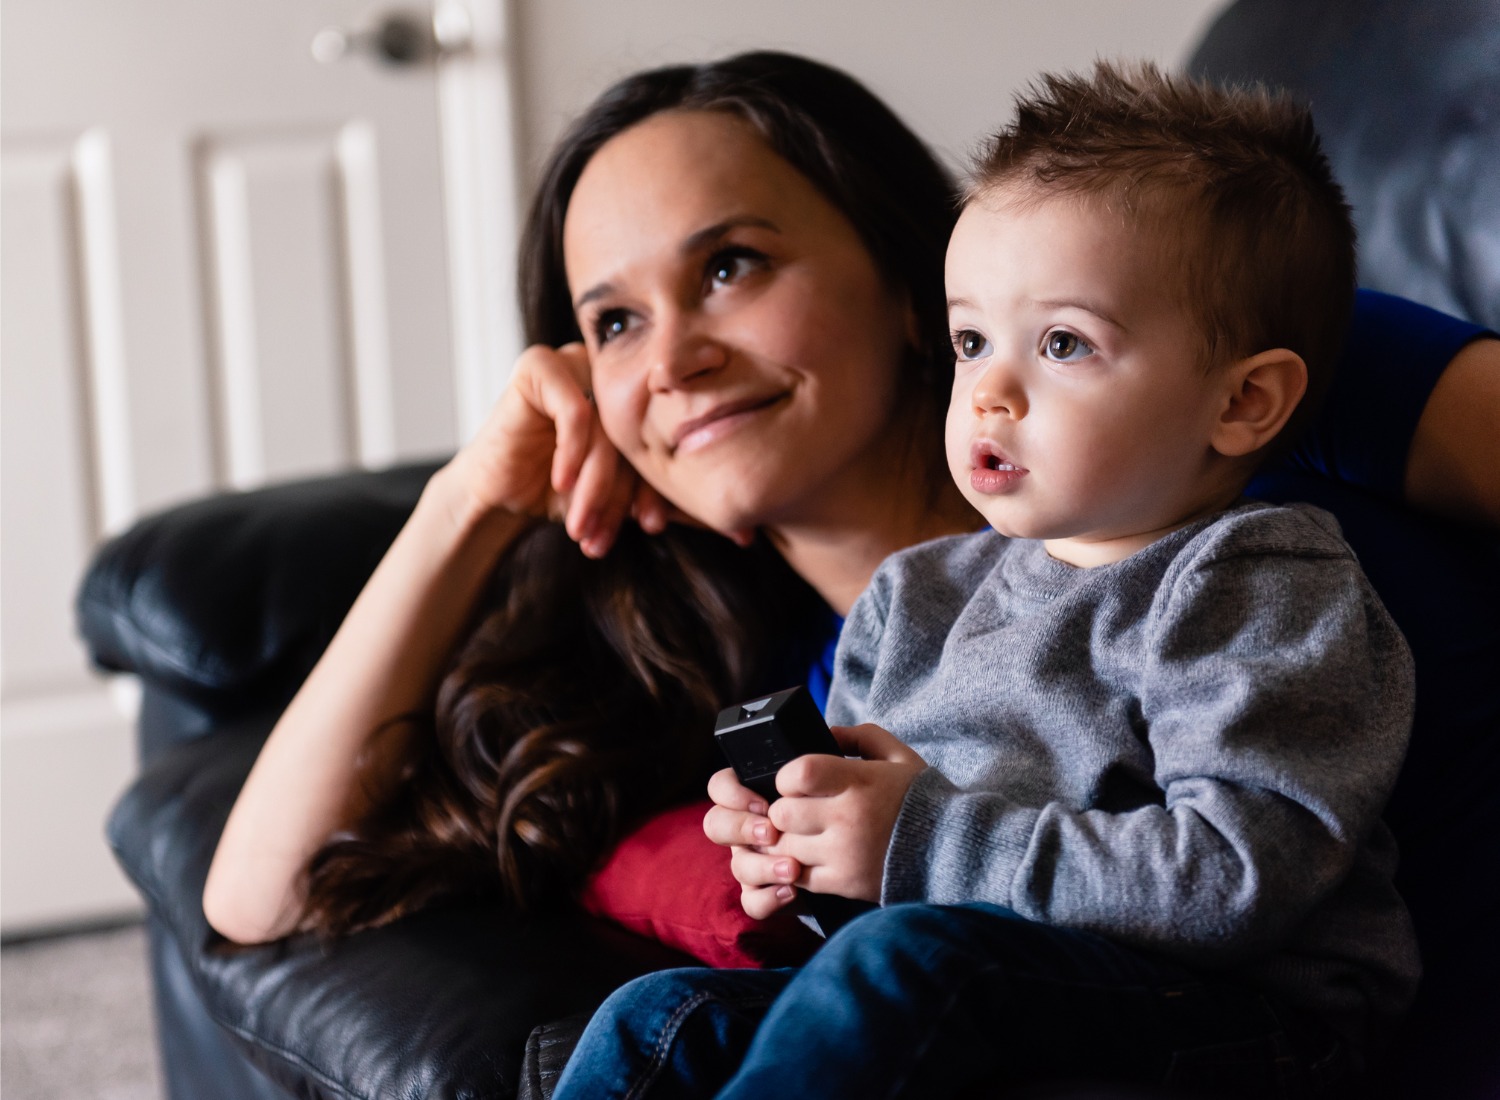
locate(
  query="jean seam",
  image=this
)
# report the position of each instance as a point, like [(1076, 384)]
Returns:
[(668, 1037)]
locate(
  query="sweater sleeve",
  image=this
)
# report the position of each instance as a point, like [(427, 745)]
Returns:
[(1276, 703)]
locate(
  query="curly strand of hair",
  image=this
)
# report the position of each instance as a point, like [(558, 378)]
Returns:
[(581, 701)]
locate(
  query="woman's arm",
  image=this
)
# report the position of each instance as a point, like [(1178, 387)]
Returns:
[(541, 452), (1454, 465)]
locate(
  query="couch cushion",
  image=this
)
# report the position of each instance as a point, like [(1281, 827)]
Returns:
[(667, 880), (231, 599), (436, 1005)]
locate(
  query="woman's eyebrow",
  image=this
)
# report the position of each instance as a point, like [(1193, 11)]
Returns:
[(694, 242), (697, 242)]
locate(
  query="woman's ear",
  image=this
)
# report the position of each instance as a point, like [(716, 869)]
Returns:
[(1260, 393)]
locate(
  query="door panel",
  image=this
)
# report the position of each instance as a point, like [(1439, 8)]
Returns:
[(224, 264)]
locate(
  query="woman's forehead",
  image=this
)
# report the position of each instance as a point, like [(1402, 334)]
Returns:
[(651, 188), (681, 155)]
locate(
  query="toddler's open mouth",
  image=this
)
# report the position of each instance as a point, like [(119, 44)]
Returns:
[(984, 455)]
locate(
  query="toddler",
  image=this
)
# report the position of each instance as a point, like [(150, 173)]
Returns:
[(1121, 758)]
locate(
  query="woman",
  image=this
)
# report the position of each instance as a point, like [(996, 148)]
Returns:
[(732, 281)]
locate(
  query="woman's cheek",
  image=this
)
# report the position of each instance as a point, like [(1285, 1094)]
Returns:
[(621, 403)]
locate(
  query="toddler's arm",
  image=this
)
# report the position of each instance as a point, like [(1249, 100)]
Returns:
[(1276, 701)]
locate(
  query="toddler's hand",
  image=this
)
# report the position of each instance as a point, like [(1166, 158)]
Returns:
[(738, 821), (836, 815)]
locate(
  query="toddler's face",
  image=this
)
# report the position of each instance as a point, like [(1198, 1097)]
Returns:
[(1081, 412)]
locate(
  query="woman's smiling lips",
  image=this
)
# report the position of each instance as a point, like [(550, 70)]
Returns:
[(700, 431), (990, 470)]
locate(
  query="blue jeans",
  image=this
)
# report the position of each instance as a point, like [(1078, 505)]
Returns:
[(927, 1001)]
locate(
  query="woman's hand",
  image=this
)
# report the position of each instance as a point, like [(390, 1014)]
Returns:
[(543, 452), (830, 829)]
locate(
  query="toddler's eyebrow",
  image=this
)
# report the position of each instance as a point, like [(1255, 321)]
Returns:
[(1088, 305), (1085, 304)]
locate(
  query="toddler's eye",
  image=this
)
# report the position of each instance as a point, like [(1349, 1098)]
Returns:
[(1062, 346), (969, 344)]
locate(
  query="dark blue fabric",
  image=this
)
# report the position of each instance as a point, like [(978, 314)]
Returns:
[(1441, 583), (1393, 354), (923, 1000), (820, 675)]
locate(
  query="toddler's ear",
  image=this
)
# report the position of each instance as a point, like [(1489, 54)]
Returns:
[(1260, 393)]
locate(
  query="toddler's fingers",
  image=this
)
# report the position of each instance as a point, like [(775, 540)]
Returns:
[(816, 775), (725, 826), (754, 869), (870, 742), (798, 817), (764, 901), (725, 788)]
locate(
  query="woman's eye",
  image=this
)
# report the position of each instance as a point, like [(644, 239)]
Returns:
[(1062, 346), (731, 265), (609, 324), (970, 344)]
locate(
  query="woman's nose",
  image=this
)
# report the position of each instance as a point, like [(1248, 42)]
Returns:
[(681, 352), (999, 391)]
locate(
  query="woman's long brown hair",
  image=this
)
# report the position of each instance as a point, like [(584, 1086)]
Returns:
[(583, 700), (584, 696)]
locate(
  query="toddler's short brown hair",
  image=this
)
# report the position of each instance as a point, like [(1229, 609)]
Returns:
[(1234, 182)]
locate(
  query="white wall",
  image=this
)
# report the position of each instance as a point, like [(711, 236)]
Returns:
[(948, 67)]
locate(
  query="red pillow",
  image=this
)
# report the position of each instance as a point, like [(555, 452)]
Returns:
[(668, 881)]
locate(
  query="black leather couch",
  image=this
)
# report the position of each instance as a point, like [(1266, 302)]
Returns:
[(220, 607)]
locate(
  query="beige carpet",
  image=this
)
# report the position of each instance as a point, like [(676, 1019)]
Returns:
[(75, 1019)]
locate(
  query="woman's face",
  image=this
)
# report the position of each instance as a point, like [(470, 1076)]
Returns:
[(744, 347)]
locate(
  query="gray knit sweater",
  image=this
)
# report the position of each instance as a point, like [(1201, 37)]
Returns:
[(1187, 751)]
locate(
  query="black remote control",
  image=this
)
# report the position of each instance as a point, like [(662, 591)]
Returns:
[(761, 735)]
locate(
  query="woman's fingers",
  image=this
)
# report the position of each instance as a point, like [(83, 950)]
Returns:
[(593, 485), (654, 512), (601, 496), (560, 387), (650, 509)]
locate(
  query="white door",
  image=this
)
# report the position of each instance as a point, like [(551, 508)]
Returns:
[(224, 263)]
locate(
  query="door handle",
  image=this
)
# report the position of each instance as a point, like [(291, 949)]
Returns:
[(400, 37)]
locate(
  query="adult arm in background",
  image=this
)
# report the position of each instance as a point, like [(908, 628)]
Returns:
[(1411, 413), (541, 452), (1454, 465)]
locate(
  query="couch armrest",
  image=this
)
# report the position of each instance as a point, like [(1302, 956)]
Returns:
[(235, 596), (438, 1004)]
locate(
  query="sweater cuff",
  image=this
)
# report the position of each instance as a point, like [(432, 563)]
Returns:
[(951, 846)]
